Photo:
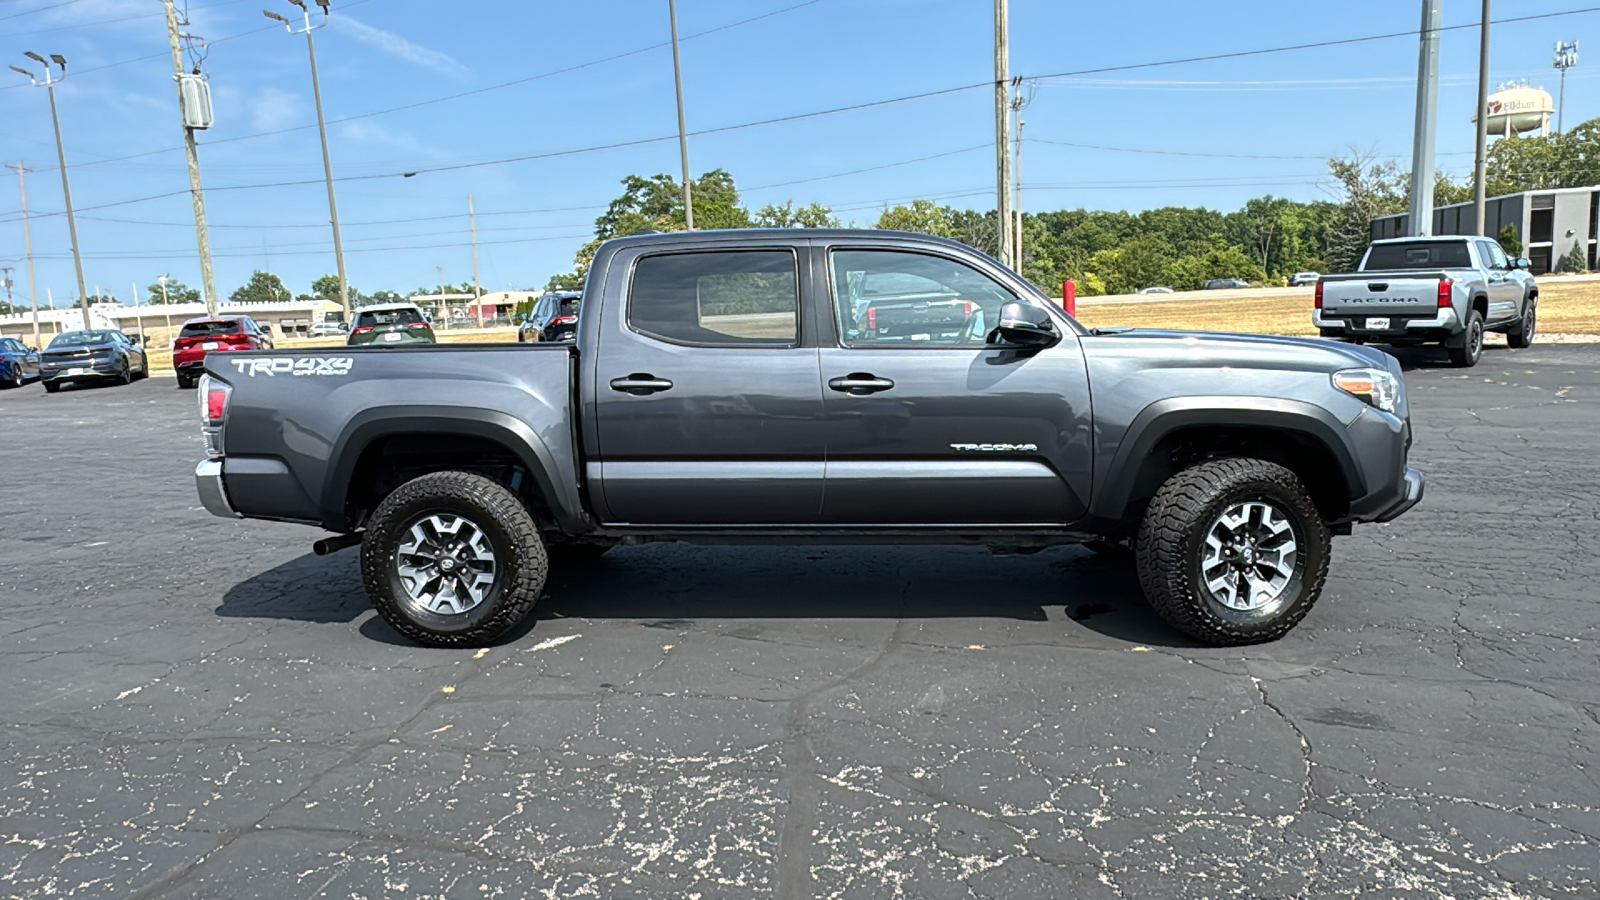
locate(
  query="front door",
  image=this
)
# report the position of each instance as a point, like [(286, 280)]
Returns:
[(1505, 290), (706, 397), (929, 425)]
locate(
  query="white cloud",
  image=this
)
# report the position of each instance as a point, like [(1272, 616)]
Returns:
[(397, 46), (371, 132), (273, 108)]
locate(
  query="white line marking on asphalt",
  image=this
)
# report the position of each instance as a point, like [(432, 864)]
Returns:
[(554, 642)]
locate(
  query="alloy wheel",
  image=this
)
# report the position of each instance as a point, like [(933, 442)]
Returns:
[(445, 563), (1249, 556)]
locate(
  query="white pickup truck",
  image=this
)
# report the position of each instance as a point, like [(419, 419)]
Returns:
[(1450, 290)]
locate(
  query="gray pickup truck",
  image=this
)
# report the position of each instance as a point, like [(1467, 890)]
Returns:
[(1449, 290), (737, 386)]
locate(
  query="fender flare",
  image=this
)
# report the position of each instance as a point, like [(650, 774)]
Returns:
[(1165, 417), (390, 421)]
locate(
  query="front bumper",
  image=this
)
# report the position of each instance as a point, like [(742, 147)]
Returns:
[(213, 493), (1415, 483)]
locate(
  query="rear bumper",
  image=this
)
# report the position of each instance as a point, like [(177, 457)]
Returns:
[(213, 493), (1443, 321)]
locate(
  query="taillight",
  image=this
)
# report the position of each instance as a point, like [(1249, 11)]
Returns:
[(362, 330), (416, 325), (563, 320), (1318, 301), (1445, 292), (214, 396), (872, 318)]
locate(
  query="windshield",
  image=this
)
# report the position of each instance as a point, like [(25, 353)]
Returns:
[(381, 317), (80, 338), (1418, 255), (206, 329)]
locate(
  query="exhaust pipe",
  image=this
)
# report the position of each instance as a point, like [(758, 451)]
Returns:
[(338, 542)]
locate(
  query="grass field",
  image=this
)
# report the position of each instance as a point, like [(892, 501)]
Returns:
[(1565, 307)]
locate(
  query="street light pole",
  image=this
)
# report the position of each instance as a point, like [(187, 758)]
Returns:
[(27, 247), (1424, 137), (1566, 58), (322, 130), (1481, 138), (477, 290), (683, 136), (49, 84), (1002, 132)]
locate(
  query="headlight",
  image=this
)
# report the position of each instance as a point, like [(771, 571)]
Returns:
[(1377, 387)]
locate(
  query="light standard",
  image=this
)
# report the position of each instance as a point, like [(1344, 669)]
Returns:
[(322, 129), (49, 84), (1566, 58), (166, 305)]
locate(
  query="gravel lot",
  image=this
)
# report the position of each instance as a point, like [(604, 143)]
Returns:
[(201, 708)]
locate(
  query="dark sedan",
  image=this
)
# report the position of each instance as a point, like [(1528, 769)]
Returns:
[(96, 355), (18, 363)]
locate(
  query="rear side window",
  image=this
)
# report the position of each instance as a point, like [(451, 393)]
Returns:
[(382, 317), (1419, 255), (208, 329), (722, 298)]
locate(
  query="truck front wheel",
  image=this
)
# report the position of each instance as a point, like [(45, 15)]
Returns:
[(1232, 551), (453, 559)]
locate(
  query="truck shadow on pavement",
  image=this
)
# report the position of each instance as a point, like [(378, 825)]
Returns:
[(676, 586)]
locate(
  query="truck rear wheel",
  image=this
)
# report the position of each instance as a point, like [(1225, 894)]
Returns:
[(1232, 551), (1521, 336), (1471, 350), (453, 559)]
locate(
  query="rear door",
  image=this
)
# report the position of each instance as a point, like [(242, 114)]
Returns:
[(929, 425), (706, 397)]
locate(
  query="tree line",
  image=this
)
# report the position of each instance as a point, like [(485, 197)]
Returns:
[(1113, 252)]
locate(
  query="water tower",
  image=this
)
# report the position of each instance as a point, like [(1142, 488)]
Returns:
[(1518, 108)]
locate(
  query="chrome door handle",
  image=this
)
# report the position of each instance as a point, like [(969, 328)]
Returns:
[(640, 384), (860, 384)]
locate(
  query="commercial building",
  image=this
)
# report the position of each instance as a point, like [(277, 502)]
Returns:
[(1548, 224)]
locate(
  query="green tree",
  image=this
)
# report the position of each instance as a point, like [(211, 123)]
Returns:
[(1366, 190), (1143, 261), (177, 292), (1575, 260), (263, 287), (568, 281), (789, 216), (1509, 242), (923, 216)]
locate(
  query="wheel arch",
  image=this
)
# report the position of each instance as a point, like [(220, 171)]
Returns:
[(394, 442), (1170, 435)]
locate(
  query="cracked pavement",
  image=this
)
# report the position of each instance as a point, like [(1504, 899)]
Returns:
[(202, 708)]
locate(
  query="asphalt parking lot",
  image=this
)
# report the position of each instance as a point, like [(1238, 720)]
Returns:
[(201, 708)]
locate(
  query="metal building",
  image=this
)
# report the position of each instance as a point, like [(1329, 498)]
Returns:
[(1548, 224)]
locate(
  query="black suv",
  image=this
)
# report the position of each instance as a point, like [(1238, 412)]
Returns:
[(554, 318)]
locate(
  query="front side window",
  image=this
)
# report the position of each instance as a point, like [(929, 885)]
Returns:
[(894, 298), (1496, 255), (728, 298)]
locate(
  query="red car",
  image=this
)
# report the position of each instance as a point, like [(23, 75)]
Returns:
[(202, 336)]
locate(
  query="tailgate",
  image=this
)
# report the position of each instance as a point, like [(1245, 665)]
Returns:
[(1381, 293)]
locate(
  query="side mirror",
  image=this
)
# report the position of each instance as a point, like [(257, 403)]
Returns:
[(1522, 262), (1024, 326)]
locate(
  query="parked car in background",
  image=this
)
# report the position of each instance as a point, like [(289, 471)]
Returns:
[(554, 318), (1224, 284), (1446, 289), (389, 324), (94, 355), (223, 334), (18, 363), (328, 329), (1155, 290), (1301, 279)]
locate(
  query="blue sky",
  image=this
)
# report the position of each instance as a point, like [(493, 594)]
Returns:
[(1250, 126)]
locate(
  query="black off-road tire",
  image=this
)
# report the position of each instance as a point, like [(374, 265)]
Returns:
[(1170, 544), (521, 563), (1471, 350), (1520, 337)]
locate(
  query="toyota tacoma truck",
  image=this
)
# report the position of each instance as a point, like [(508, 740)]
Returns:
[(1449, 290), (724, 388)]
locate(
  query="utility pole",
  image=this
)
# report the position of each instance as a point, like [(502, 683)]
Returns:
[(1423, 139), (1566, 58), (6, 280), (27, 246), (1481, 140), (1002, 133), (477, 290), (1018, 104), (443, 303), (166, 305), (49, 84), (207, 281), (322, 129), (683, 136)]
